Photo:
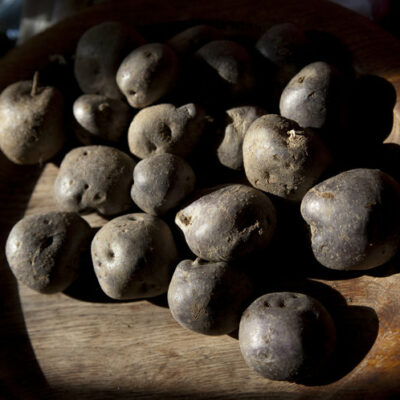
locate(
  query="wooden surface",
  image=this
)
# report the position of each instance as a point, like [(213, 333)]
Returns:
[(76, 346)]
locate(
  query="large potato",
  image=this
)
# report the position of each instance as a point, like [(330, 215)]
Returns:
[(208, 297), (286, 336), (99, 53), (133, 256), (94, 178), (44, 250), (31, 122), (100, 118), (147, 74), (354, 219), (164, 128), (161, 182), (282, 158), (228, 223), (312, 96), (287, 48)]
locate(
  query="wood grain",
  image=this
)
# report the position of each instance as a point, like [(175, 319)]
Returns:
[(64, 346)]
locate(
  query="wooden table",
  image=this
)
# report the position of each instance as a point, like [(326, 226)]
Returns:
[(76, 346)]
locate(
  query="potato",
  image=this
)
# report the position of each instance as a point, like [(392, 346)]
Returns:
[(230, 151), (354, 219), (99, 53), (208, 297), (161, 182), (94, 178), (228, 223), (286, 47), (147, 74), (224, 67), (31, 122), (286, 336), (163, 128), (191, 39), (44, 250), (282, 158), (101, 118), (133, 256), (312, 96)]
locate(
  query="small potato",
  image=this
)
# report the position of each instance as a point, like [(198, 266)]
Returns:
[(101, 118), (311, 98), (354, 219), (44, 250), (161, 182), (228, 223), (286, 336), (163, 128), (133, 256), (99, 53), (286, 47), (31, 122), (230, 151), (226, 66), (147, 74), (208, 297), (282, 158), (94, 178), (191, 39)]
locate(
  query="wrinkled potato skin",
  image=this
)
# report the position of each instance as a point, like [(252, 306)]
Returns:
[(99, 53), (94, 178), (163, 128), (311, 96), (230, 152), (161, 182), (133, 256), (208, 297), (228, 223), (282, 158), (147, 74), (354, 219), (32, 127), (286, 336), (44, 250), (101, 118)]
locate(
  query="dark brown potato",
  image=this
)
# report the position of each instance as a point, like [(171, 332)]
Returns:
[(31, 122), (286, 336), (147, 74), (163, 128), (44, 250), (191, 39), (133, 256), (101, 118), (230, 151), (161, 182), (312, 96), (208, 297), (225, 66), (282, 158), (94, 178), (287, 48), (228, 223), (354, 219), (99, 53)]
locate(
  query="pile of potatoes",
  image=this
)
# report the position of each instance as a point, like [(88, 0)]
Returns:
[(219, 134)]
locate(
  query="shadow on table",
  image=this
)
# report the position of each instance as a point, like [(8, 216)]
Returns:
[(20, 373)]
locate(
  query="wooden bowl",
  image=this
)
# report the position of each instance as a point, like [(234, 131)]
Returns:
[(62, 346)]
